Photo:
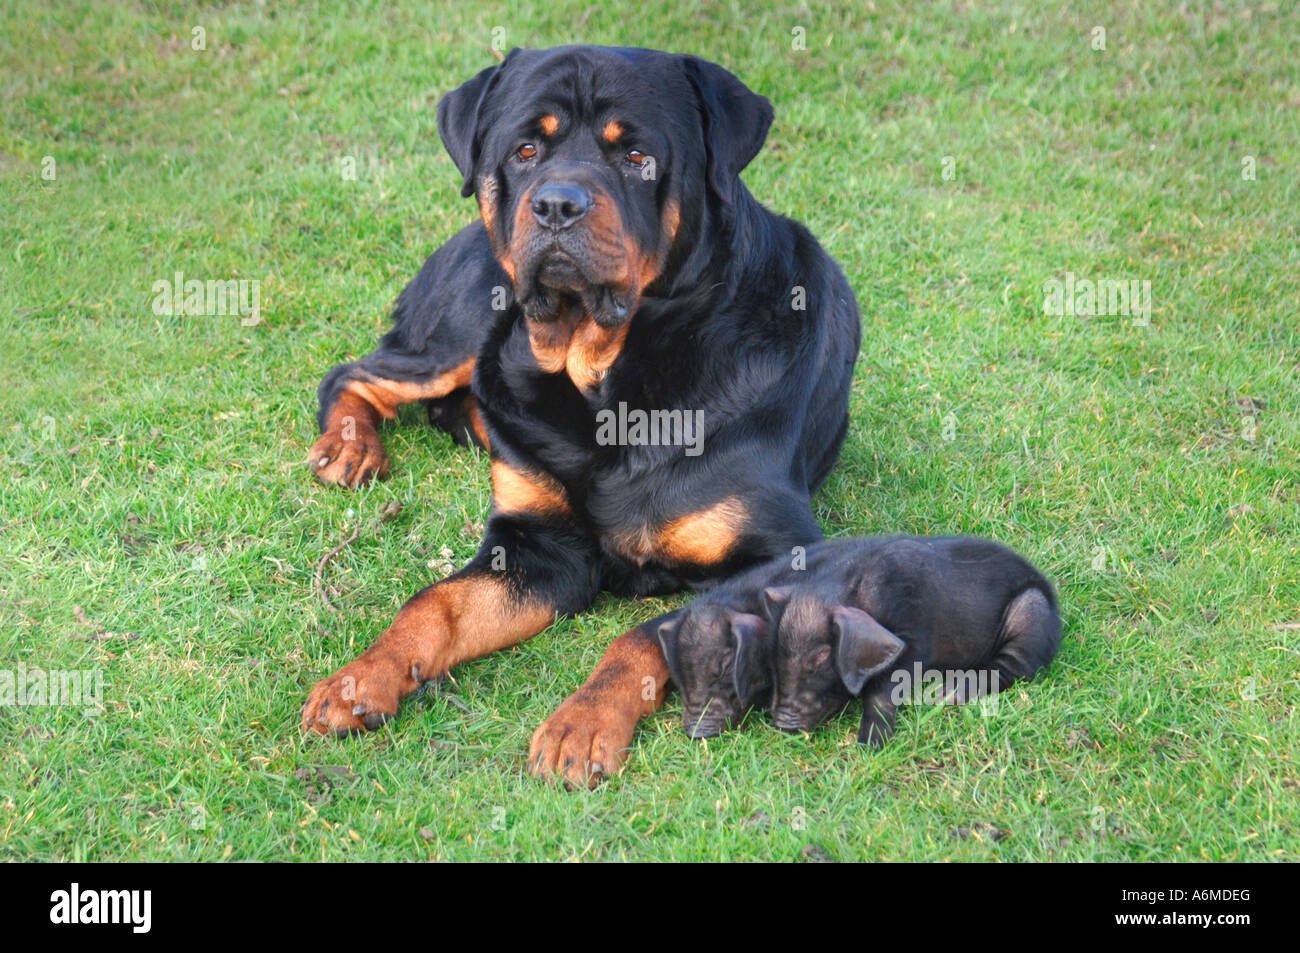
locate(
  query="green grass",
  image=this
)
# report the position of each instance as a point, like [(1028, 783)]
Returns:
[(153, 482)]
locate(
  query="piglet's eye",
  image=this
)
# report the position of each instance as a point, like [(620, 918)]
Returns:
[(526, 151)]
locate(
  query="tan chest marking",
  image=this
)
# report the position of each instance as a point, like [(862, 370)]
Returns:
[(704, 538), (585, 351)]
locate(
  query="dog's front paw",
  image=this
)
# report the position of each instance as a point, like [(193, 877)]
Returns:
[(581, 743), (351, 456), (360, 696)]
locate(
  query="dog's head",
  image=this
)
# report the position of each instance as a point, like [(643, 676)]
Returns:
[(593, 168)]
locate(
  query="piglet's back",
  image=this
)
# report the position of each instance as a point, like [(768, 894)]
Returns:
[(946, 595)]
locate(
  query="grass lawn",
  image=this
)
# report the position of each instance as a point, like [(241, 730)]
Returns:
[(157, 524)]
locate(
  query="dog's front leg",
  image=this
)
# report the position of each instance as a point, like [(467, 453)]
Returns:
[(533, 565), (588, 736)]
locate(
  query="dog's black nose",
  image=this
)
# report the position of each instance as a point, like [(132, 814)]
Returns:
[(560, 204)]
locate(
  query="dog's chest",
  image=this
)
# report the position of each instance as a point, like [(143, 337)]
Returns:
[(578, 347)]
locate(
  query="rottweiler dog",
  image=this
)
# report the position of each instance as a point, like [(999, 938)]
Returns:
[(621, 287)]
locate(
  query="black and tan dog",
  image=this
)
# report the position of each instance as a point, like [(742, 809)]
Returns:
[(621, 268)]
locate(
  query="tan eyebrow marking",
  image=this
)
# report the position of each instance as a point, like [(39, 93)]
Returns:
[(612, 131), (548, 124)]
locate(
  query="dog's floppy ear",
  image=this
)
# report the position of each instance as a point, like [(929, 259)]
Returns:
[(458, 116), (736, 121), (666, 633), (751, 670), (774, 601), (863, 647)]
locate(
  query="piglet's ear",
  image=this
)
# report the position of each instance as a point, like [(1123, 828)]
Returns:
[(751, 670), (667, 636), (863, 647), (775, 599)]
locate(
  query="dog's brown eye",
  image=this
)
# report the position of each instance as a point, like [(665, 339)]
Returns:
[(636, 156), (526, 151)]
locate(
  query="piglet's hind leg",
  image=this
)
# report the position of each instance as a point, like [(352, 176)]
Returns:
[(1030, 638)]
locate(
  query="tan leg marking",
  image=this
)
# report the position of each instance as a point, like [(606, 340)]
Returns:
[(476, 421), (386, 396), (444, 625), (589, 735)]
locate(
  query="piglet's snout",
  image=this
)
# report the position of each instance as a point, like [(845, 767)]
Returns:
[(706, 721), (789, 720), (700, 730)]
